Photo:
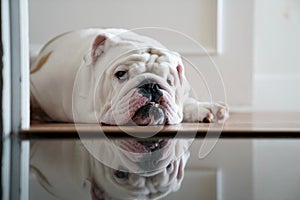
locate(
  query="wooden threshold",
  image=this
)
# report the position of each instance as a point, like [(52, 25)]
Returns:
[(239, 125)]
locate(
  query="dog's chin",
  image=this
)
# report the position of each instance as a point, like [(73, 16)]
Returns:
[(149, 114)]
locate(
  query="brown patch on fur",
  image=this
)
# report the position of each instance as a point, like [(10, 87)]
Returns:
[(37, 114), (41, 62)]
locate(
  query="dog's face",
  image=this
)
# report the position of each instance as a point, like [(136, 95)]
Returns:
[(147, 169), (120, 185), (143, 85)]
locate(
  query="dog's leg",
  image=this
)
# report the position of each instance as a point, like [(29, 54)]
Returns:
[(196, 111)]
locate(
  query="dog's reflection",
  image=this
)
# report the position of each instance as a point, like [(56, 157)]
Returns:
[(110, 168)]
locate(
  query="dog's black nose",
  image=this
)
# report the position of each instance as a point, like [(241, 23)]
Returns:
[(151, 145), (154, 90)]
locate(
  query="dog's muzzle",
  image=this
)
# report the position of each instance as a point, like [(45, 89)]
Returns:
[(151, 113), (152, 145)]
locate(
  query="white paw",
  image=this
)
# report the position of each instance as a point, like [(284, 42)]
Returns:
[(195, 111), (216, 112)]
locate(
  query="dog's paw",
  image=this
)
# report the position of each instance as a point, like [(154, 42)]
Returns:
[(195, 111), (216, 112)]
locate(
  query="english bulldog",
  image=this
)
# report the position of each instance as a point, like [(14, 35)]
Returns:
[(116, 77)]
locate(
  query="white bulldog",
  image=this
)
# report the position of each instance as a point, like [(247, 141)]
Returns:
[(116, 77)]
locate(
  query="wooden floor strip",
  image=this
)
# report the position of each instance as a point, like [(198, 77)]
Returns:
[(239, 125)]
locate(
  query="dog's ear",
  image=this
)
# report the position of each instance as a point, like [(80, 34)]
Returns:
[(98, 46), (97, 49), (180, 73)]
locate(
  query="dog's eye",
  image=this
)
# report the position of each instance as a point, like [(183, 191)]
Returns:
[(121, 175), (121, 74), (170, 80), (169, 166)]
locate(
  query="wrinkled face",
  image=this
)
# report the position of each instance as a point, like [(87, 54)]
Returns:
[(146, 89), (150, 182), (122, 185)]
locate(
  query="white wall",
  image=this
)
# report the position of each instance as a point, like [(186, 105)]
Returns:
[(276, 59), (197, 18), (277, 31)]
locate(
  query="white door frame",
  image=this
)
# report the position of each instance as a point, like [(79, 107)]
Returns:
[(15, 96)]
